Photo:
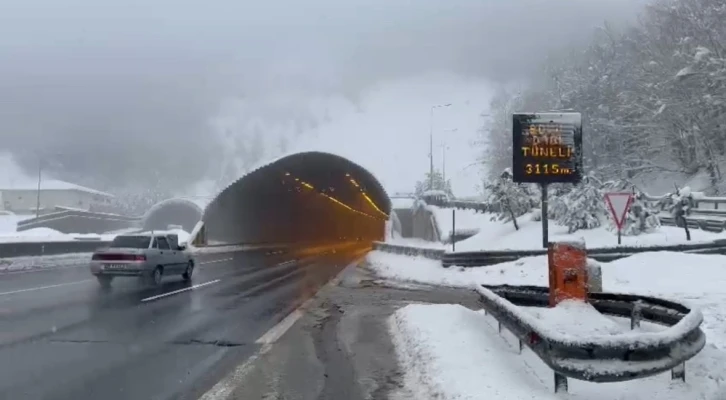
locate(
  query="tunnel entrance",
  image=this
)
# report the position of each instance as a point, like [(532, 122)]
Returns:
[(310, 197), (185, 212)]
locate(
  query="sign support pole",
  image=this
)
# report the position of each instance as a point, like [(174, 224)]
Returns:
[(545, 220), (453, 229)]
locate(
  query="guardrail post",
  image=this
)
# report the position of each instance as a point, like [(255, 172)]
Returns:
[(594, 277), (560, 383), (679, 372), (636, 315)]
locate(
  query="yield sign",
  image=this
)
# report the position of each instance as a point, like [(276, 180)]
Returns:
[(619, 203)]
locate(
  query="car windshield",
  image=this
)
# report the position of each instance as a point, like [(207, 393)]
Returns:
[(130, 242)]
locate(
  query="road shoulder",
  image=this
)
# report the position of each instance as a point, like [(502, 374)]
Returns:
[(340, 348)]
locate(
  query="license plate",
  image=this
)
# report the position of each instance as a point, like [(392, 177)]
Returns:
[(115, 266)]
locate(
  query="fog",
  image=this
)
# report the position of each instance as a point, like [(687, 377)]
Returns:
[(123, 95)]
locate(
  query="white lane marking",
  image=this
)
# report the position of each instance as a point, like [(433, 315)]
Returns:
[(215, 261), (278, 330), (286, 263), (180, 290), (44, 287), (222, 389)]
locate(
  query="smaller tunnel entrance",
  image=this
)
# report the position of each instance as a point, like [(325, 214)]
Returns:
[(308, 197), (178, 211)]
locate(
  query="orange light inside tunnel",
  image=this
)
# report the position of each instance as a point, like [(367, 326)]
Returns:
[(365, 195), (333, 199)]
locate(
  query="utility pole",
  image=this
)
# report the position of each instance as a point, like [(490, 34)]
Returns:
[(431, 143)]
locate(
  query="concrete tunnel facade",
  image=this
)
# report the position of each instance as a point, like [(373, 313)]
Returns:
[(184, 211), (309, 197)]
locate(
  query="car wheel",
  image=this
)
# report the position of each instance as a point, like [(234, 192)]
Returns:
[(187, 275), (105, 281), (156, 276)]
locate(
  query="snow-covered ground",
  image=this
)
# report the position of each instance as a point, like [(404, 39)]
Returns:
[(49, 235), (456, 353), (8, 233), (415, 242), (466, 220), (9, 222), (498, 235), (17, 264)]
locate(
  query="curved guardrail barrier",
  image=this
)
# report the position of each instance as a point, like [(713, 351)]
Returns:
[(605, 358), (484, 258)]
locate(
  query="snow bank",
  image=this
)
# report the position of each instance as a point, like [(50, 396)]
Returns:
[(9, 222), (50, 235), (16, 264), (526, 271), (447, 354), (450, 352), (582, 324), (496, 235)]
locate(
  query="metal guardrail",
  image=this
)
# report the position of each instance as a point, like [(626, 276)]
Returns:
[(25, 249), (434, 254), (698, 218), (595, 359), (606, 358), (484, 258)]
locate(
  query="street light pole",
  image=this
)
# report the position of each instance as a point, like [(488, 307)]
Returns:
[(37, 204), (431, 149), (444, 147), (431, 144)]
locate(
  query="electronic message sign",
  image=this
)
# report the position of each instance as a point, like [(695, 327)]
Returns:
[(547, 147)]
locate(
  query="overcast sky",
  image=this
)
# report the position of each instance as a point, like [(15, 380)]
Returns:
[(112, 89)]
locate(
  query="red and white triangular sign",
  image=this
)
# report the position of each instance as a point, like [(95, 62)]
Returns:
[(619, 203)]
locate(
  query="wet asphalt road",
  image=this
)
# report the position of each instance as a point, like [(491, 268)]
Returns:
[(63, 337)]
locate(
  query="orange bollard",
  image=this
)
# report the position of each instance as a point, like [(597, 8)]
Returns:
[(567, 272)]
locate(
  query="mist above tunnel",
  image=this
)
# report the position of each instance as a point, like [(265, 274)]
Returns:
[(310, 197)]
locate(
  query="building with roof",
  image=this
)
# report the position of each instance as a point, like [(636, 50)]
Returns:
[(22, 197)]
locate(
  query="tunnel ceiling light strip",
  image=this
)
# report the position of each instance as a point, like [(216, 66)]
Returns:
[(365, 195), (333, 199)]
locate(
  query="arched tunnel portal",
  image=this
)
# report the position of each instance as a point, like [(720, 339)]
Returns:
[(182, 211), (310, 197)]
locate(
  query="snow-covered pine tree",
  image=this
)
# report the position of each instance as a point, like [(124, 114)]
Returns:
[(510, 198), (679, 204), (583, 207), (555, 192), (641, 217)]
